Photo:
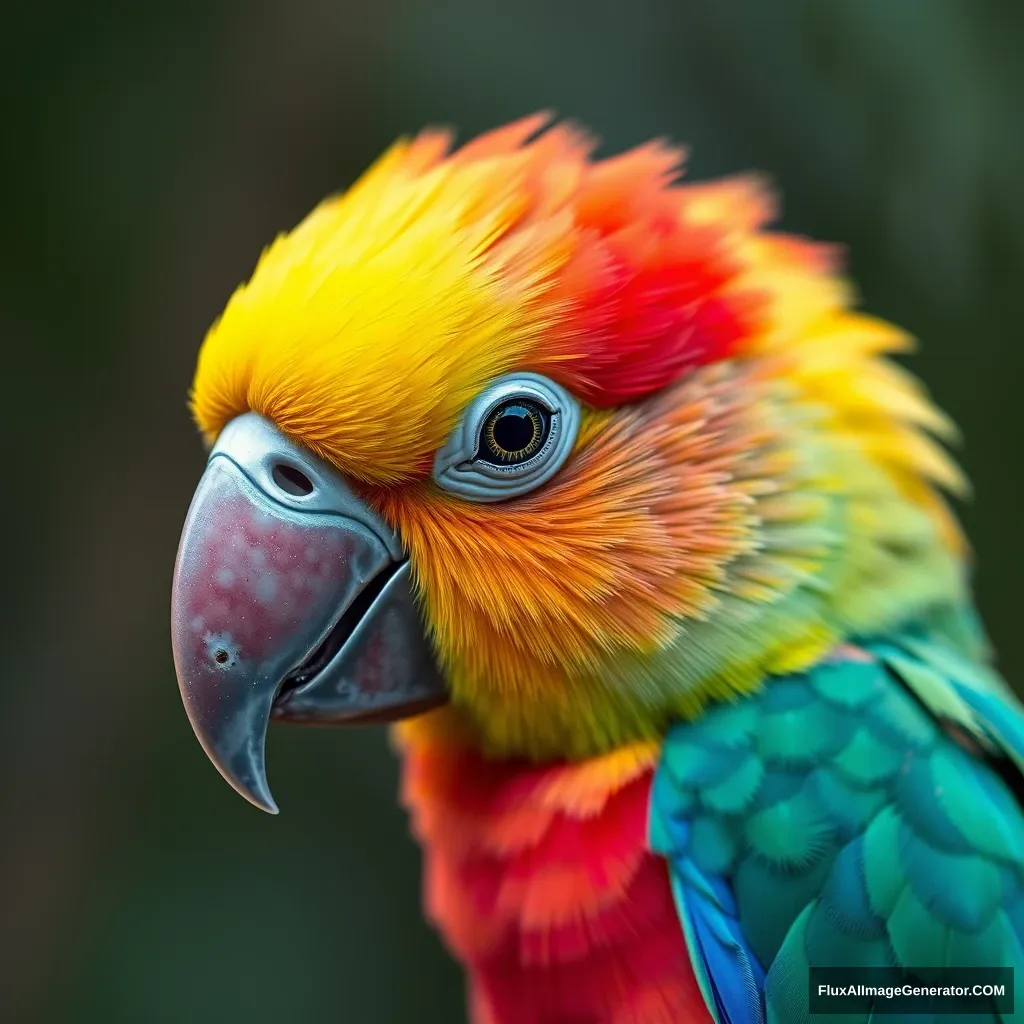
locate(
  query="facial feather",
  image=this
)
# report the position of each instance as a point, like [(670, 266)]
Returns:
[(752, 481)]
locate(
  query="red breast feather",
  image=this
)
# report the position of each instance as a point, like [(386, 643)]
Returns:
[(540, 880)]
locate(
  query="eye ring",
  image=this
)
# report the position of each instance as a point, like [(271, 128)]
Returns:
[(481, 461)]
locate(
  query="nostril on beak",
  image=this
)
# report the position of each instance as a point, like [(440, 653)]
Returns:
[(291, 480)]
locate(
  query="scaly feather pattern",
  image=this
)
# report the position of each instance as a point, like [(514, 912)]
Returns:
[(845, 816)]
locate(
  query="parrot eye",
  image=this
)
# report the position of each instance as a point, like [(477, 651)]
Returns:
[(514, 432), (513, 437)]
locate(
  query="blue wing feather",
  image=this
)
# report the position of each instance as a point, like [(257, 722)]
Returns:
[(729, 974)]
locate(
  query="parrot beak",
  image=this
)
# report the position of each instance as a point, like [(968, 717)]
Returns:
[(291, 600)]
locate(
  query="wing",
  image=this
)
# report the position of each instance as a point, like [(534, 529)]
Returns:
[(853, 815)]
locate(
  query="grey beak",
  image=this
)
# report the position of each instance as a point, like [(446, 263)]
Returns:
[(291, 600)]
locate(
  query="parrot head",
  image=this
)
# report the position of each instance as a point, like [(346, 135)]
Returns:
[(564, 444)]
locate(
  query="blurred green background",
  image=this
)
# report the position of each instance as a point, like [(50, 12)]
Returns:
[(149, 152)]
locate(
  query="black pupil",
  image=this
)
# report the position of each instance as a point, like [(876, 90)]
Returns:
[(514, 429)]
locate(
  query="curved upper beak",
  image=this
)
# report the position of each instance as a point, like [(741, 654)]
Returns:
[(291, 600)]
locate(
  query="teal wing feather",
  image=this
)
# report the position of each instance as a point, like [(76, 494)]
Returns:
[(859, 814)]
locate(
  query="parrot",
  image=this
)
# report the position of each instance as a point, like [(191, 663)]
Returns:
[(602, 491)]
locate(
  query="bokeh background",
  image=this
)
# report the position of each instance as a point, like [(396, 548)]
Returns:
[(149, 152)]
